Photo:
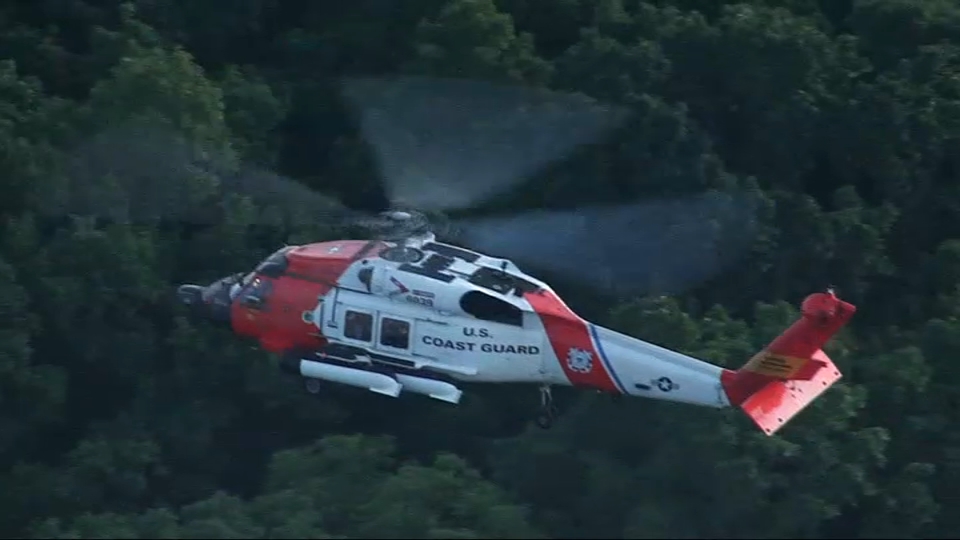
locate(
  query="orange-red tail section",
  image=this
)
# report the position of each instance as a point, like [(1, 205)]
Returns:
[(792, 371)]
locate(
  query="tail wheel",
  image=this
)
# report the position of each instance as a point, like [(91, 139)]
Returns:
[(312, 385)]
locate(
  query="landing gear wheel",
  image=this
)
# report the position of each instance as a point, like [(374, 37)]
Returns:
[(544, 420), (311, 385)]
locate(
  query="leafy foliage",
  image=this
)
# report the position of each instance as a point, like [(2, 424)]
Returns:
[(119, 418)]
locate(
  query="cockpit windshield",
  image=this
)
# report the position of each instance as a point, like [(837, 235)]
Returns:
[(276, 264), (241, 285), (272, 267), (257, 294)]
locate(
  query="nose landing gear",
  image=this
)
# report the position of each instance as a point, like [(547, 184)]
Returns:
[(548, 411)]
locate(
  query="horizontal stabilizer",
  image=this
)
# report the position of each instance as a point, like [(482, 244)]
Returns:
[(778, 401), (779, 381)]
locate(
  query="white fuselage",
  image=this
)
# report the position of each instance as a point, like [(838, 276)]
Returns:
[(470, 329), (458, 345)]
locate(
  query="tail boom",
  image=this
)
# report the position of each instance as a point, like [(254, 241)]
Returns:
[(792, 371)]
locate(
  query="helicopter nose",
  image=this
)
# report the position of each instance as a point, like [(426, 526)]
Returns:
[(211, 302)]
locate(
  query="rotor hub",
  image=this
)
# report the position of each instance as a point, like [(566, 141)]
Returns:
[(409, 228), (398, 216)]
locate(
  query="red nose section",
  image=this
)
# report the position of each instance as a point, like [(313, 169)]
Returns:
[(276, 316)]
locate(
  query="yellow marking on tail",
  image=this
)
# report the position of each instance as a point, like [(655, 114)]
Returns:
[(775, 365)]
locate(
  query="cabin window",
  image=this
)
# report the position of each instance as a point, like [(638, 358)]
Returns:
[(488, 308), (257, 293), (394, 333), (499, 281), (358, 326)]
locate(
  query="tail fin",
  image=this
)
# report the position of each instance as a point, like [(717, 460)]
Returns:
[(792, 371)]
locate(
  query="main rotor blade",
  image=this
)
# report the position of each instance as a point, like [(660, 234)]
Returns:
[(144, 172), (657, 246), (446, 144)]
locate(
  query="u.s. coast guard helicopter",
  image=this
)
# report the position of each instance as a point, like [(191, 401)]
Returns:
[(408, 314)]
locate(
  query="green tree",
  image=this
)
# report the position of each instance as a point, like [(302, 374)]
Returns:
[(155, 124), (472, 39)]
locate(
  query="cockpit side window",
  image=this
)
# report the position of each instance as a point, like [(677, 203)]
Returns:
[(358, 326), (488, 308), (365, 275)]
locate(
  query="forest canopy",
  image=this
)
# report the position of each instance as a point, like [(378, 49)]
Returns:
[(119, 417)]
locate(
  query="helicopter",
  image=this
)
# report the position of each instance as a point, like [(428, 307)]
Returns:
[(409, 314), (404, 312)]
